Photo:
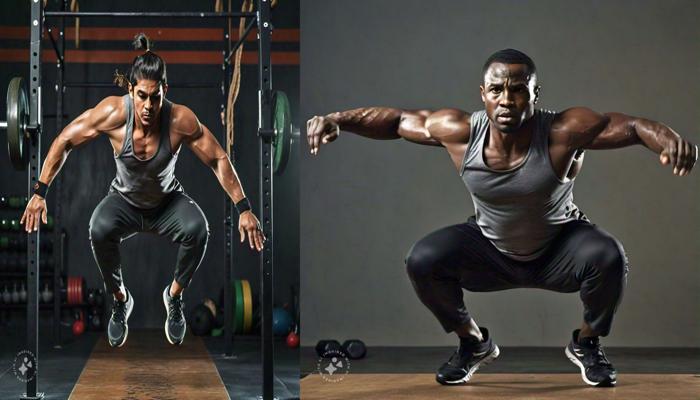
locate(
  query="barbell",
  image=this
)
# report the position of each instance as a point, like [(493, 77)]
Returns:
[(19, 131)]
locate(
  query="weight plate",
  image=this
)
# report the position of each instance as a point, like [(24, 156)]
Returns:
[(81, 290), (70, 290), (282, 123), (238, 316), (247, 306), (17, 120)]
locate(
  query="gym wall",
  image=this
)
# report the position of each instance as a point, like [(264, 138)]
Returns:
[(364, 203), (149, 260)]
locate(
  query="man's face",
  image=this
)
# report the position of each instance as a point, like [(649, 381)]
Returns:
[(509, 94), (148, 98)]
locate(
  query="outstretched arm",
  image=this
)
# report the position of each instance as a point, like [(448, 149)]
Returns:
[(106, 116), (432, 128), (585, 129), (205, 146)]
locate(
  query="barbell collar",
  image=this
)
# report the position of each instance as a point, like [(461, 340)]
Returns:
[(267, 134)]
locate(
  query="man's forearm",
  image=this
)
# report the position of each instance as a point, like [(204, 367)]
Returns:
[(58, 152), (654, 135), (228, 179), (370, 122)]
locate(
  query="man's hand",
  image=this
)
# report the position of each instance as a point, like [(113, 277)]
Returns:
[(247, 222), (320, 130), (681, 154), (35, 211)]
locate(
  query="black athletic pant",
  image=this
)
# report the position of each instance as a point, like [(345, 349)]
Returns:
[(178, 218), (582, 257)]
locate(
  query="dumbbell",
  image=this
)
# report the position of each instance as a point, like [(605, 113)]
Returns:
[(354, 349), (328, 346)]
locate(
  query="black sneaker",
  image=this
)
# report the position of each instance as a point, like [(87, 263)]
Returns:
[(596, 370), (118, 329), (175, 324), (467, 359)]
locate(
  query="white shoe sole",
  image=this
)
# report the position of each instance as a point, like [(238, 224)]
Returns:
[(167, 316), (486, 360), (576, 361), (126, 325)]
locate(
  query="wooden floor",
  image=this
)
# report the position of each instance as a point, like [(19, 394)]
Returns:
[(500, 386), (148, 367)]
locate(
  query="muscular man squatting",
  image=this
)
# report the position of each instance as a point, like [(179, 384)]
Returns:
[(519, 163)]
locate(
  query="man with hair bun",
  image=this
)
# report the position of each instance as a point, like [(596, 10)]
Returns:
[(146, 132), (519, 164)]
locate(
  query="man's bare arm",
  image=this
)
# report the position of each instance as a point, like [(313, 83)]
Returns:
[(209, 151), (433, 128), (105, 116), (205, 146), (586, 129)]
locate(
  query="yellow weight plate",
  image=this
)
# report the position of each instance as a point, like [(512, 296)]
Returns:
[(247, 306)]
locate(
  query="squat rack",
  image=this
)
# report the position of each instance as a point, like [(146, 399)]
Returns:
[(266, 134)]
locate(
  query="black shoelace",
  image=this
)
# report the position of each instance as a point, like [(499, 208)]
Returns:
[(175, 306)]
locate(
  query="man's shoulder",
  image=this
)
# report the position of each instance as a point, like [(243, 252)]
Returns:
[(111, 103), (575, 118), (109, 113), (183, 120)]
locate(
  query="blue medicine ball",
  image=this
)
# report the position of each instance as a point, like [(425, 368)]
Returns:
[(282, 322)]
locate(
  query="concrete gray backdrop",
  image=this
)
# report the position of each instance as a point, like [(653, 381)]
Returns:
[(363, 202)]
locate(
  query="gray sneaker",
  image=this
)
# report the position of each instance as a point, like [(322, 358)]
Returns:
[(175, 325), (118, 329)]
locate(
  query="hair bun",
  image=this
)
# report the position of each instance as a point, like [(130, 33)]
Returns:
[(142, 42)]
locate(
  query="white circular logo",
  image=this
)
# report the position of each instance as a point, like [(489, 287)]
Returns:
[(333, 366), (25, 366)]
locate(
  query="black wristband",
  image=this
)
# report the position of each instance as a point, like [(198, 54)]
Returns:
[(242, 206), (41, 188)]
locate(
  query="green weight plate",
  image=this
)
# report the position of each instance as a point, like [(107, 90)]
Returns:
[(238, 316), (17, 120), (4, 242), (282, 145)]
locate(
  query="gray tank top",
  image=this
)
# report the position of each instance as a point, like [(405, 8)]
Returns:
[(522, 209), (144, 183)]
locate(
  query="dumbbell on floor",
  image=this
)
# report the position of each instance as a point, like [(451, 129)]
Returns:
[(353, 349)]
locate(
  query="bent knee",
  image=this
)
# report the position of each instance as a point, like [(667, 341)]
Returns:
[(610, 257), (100, 231), (421, 260), (196, 231)]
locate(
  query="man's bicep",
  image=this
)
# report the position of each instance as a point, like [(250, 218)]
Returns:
[(205, 146), (578, 127), (449, 125), (84, 128), (104, 117)]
